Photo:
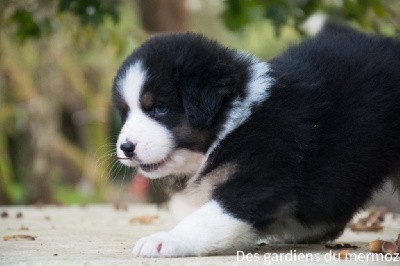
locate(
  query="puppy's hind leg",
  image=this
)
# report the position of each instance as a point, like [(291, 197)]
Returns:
[(209, 230)]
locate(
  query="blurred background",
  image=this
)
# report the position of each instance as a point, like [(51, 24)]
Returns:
[(57, 63)]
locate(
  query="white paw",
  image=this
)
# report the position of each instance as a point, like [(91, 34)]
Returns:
[(160, 245)]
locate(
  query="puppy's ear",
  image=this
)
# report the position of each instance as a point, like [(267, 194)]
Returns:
[(202, 96)]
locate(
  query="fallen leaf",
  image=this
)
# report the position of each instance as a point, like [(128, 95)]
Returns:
[(342, 254), (375, 246), (16, 237), (120, 206), (389, 248), (341, 246), (149, 219)]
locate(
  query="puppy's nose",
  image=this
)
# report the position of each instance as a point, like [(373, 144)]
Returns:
[(128, 148)]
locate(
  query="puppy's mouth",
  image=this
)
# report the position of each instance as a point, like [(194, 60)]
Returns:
[(149, 167), (152, 167)]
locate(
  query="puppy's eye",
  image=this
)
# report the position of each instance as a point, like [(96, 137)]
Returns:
[(160, 109)]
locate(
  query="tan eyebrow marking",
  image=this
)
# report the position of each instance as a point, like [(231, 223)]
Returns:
[(147, 100)]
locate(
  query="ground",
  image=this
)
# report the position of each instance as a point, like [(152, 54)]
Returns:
[(105, 234)]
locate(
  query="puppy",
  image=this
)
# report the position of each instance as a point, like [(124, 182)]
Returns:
[(290, 148)]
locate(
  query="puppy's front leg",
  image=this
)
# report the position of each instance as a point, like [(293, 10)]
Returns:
[(209, 230)]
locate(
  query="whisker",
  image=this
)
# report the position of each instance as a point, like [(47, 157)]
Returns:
[(110, 171), (121, 158), (102, 158), (122, 182)]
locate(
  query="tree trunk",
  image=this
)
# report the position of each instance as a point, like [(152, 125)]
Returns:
[(163, 15)]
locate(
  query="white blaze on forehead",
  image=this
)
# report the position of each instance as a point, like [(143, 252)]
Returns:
[(153, 141), (131, 84)]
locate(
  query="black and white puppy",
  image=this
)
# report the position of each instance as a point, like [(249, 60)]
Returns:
[(290, 148)]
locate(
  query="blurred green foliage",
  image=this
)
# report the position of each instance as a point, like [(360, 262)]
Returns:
[(27, 26), (62, 55), (369, 14), (57, 127), (90, 12)]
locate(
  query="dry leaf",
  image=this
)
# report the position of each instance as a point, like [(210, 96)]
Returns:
[(385, 247), (16, 237), (120, 206), (375, 246), (149, 219), (342, 254), (340, 246), (389, 248)]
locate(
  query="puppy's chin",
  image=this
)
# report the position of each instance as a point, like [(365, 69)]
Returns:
[(180, 162)]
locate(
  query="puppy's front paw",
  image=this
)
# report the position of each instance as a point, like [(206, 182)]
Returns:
[(162, 244)]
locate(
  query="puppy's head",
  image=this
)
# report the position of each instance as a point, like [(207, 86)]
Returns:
[(172, 94)]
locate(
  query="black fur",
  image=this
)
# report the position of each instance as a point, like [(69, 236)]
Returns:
[(327, 136)]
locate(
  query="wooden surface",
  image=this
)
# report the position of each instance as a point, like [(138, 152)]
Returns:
[(103, 235)]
